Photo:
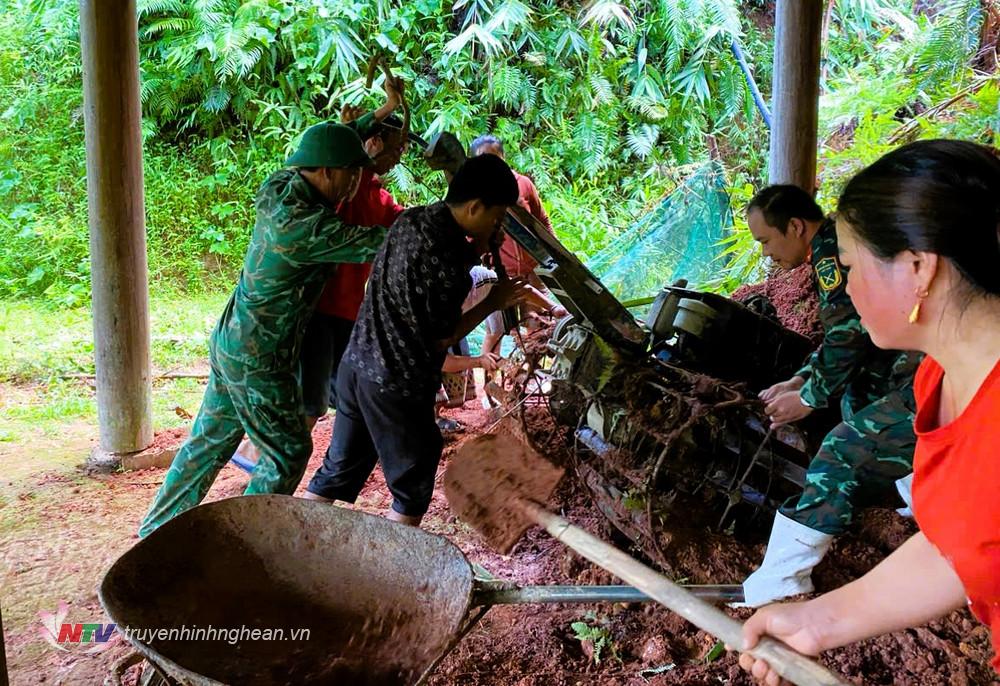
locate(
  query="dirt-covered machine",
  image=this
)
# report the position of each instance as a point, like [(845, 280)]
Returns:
[(667, 431), (674, 435)]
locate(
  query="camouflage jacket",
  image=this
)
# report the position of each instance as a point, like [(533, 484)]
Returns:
[(295, 239), (847, 362)]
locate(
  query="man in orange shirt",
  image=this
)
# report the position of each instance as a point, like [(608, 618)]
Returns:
[(516, 260)]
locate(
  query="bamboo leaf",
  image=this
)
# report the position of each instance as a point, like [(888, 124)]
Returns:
[(607, 12)]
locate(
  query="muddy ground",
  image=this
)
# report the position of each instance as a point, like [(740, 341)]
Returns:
[(68, 527), (648, 645), (512, 645)]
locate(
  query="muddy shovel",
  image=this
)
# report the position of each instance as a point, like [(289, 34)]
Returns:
[(498, 485)]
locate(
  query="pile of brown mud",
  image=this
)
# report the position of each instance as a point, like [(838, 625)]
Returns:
[(633, 644), (793, 294)]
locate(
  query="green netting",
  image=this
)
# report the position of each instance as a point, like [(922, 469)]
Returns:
[(677, 240)]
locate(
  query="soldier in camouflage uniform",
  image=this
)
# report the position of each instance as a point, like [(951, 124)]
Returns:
[(254, 349), (872, 447)]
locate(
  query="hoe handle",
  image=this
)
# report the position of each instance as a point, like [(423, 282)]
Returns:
[(375, 61), (790, 664)]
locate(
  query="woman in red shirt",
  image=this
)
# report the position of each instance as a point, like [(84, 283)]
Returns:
[(918, 231)]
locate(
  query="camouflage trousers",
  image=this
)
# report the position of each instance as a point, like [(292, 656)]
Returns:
[(858, 463), (264, 404)]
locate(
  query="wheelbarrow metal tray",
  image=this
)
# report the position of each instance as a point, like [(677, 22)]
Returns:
[(380, 601)]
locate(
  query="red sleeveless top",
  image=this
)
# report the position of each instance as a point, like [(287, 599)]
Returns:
[(956, 488)]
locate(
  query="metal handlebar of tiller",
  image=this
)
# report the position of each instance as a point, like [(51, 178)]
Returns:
[(498, 592), (569, 280)]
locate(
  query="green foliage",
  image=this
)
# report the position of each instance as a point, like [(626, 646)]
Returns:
[(601, 102), (943, 51), (587, 88), (634, 501), (199, 208), (738, 251), (918, 84), (717, 651), (38, 342), (887, 75), (594, 102), (40, 345), (594, 630)]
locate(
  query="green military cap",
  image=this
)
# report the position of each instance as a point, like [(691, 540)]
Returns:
[(330, 145)]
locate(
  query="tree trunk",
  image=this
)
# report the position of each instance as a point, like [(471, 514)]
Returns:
[(795, 105)]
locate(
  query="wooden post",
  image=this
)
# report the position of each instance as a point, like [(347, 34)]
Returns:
[(109, 43), (795, 100)]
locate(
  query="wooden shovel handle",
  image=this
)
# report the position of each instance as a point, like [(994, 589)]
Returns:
[(790, 664)]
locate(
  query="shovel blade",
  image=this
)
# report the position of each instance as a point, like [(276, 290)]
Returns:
[(488, 479)]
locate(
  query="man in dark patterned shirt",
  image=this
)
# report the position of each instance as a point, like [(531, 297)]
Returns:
[(412, 312)]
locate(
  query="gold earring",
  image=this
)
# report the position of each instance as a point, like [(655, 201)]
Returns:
[(915, 312)]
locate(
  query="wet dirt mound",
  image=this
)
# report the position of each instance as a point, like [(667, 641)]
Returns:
[(793, 294), (647, 645)]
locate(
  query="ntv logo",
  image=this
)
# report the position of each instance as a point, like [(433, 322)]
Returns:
[(58, 633)]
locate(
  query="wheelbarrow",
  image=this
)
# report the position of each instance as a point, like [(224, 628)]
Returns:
[(335, 596)]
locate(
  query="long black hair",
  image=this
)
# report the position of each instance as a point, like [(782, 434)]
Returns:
[(938, 196)]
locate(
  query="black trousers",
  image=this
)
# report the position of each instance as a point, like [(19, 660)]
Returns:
[(323, 344), (375, 425)]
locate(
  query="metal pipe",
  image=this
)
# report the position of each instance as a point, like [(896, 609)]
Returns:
[(751, 82), (507, 594)]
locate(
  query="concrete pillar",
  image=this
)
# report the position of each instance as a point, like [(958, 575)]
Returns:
[(109, 44)]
